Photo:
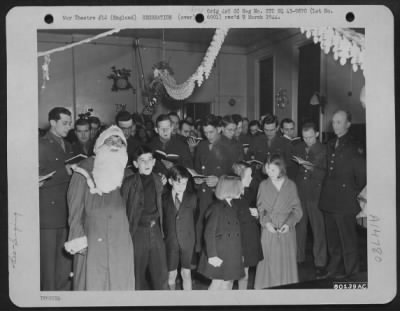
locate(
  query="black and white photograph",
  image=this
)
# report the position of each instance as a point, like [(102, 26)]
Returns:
[(221, 151)]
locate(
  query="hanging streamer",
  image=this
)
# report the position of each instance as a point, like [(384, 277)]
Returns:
[(344, 43)]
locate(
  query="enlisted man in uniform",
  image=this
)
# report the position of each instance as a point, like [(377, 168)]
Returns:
[(55, 263), (83, 143), (229, 128), (263, 146), (95, 125), (210, 160), (346, 177), (126, 123), (309, 182), (175, 120), (169, 144)]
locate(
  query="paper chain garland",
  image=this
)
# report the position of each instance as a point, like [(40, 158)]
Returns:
[(345, 43)]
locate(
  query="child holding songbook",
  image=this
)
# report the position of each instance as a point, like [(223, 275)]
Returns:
[(179, 206), (221, 260), (279, 210)]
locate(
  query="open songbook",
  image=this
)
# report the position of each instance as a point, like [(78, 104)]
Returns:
[(161, 155), (301, 161), (245, 145), (195, 138), (196, 175), (42, 178), (76, 159)]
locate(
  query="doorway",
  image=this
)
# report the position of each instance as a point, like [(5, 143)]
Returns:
[(266, 93), (309, 83)]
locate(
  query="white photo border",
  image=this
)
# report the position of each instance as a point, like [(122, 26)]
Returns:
[(22, 24)]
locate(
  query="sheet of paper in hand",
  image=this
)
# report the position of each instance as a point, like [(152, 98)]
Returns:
[(81, 58)]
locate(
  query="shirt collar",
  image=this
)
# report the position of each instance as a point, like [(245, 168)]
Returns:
[(180, 195)]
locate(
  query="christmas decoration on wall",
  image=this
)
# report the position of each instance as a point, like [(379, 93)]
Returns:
[(45, 70), (86, 115), (281, 98), (120, 79), (46, 54), (163, 75), (345, 44)]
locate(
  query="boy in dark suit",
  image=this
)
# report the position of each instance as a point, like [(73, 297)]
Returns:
[(142, 193), (179, 226)]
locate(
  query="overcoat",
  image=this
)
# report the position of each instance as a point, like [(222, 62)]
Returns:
[(223, 239), (279, 207)]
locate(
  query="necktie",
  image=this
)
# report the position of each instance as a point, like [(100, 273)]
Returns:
[(337, 143), (62, 144), (177, 202)]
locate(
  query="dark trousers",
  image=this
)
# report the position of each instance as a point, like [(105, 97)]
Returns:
[(342, 243), (150, 257), (55, 262), (312, 214), (205, 199)]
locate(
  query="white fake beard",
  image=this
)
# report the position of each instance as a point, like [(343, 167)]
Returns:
[(109, 168)]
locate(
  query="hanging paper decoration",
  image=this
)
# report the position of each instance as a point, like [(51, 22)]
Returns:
[(46, 54), (45, 70), (344, 43), (185, 89)]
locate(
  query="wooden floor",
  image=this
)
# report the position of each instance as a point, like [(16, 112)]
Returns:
[(306, 270)]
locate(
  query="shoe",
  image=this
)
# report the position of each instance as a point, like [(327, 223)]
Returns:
[(339, 276), (320, 273), (324, 275)]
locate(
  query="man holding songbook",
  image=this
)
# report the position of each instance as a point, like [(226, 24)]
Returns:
[(310, 155), (168, 144), (55, 264)]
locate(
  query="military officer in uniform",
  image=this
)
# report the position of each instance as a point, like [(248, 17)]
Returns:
[(55, 263), (346, 177)]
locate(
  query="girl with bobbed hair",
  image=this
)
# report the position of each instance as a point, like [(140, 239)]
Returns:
[(221, 260), (279, 209)]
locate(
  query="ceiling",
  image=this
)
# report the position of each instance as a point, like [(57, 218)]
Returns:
[(241, 37)]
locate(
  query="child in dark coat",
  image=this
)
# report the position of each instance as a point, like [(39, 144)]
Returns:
[(221, 261), (179, 226)]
